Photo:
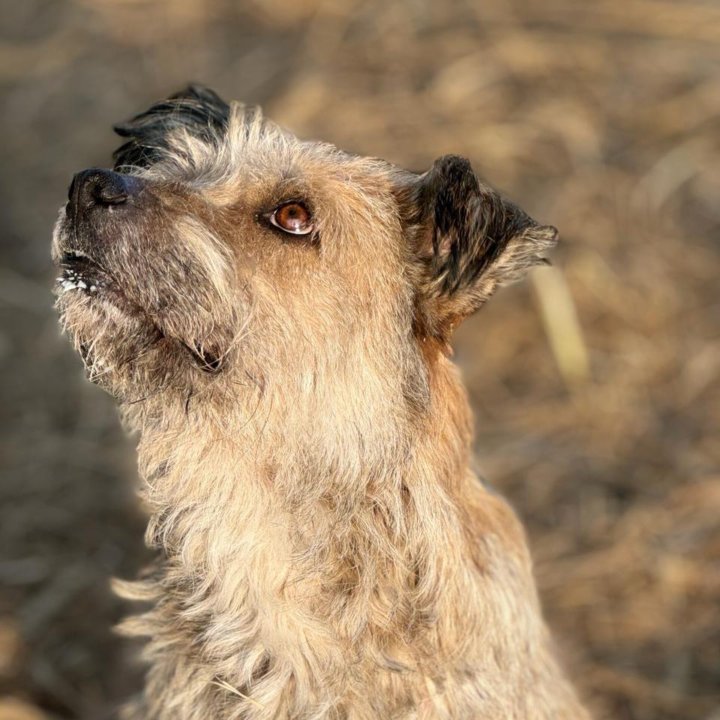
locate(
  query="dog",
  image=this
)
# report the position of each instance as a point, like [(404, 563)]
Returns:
[(273, 317)]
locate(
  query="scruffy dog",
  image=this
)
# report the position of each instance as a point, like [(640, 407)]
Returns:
[(273, 318)]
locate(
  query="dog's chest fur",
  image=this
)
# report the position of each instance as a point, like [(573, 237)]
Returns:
[(403, 599)]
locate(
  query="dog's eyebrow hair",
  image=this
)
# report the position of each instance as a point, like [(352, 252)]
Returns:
[(196, 109), (290, 186)]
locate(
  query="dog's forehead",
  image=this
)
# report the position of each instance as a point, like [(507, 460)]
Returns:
[(257, 148), (198, 139)]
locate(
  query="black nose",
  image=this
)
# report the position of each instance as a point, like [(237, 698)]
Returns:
[(101, 188)]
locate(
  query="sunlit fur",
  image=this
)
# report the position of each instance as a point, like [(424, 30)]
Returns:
[(324, 550)]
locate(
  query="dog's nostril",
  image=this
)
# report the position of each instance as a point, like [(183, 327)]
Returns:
[(108, 193), (103, 188)]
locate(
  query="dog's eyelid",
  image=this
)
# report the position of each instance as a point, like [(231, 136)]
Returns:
[(282, 200), (292, 217)]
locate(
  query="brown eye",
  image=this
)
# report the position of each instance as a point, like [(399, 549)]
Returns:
[(293, 218)]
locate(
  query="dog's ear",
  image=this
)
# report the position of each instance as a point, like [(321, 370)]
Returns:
[(196, 109), (465, 240)]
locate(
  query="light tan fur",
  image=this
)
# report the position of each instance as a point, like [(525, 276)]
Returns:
[(324, 550)]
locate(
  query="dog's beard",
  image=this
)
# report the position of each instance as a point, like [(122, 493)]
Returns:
[(116, 346), (124, 349)]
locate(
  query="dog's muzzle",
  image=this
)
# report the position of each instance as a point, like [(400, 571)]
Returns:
[(97, 200)]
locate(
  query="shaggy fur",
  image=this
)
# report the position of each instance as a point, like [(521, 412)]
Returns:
[(324, 550)]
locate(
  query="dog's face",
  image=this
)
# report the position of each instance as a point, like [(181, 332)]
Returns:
[(222, 249)]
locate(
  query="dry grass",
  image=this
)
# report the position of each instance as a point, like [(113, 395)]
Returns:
[(597, 395)]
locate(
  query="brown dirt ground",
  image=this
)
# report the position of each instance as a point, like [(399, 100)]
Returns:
[(602, 118)]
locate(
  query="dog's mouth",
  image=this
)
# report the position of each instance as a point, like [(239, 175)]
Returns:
[(81, 273)]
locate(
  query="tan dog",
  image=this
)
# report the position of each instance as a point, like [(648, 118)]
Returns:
[(273, 318)]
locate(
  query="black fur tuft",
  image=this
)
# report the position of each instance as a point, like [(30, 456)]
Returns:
[(197, 109), (466, 240), (471, 223)]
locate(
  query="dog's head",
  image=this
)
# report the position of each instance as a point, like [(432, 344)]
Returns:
[(222, 248)]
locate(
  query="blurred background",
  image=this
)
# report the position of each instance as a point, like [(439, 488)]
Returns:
[(596, 385)]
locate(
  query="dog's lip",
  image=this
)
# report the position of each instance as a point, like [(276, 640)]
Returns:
[(81, 272), (71, 257), (70, 254)]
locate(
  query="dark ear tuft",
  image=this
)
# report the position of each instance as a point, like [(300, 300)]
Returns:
[(197, 109), (466, 240)]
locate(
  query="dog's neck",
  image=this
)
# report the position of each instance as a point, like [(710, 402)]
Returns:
[(304, 474), (289, 511), (284, 564)]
